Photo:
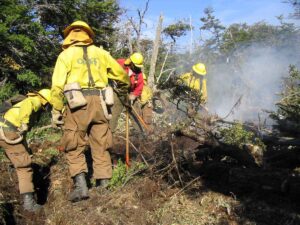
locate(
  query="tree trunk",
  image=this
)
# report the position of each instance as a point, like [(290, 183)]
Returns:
[(128, 34), (3, 82), (156, 44)]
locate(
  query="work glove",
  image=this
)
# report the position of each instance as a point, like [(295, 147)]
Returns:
[(131, 98), (23, 128), (57, 118), (120, 88)]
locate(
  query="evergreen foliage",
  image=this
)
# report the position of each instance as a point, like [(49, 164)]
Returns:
[(288, 108), (238, 136), (31, 33), (176, 30)]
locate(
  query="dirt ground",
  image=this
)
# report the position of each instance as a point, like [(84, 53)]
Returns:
[(149, 197)]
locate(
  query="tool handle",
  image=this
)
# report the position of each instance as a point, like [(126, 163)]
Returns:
[(127, 140)]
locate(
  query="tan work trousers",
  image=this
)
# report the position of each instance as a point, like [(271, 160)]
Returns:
[(88, 120), (21, 160), (147, 112)]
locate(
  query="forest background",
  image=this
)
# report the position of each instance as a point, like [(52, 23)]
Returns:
[(242, 59)]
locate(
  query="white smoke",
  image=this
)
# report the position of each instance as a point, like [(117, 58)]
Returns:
[(256, 73)]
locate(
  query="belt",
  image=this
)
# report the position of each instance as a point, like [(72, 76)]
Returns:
[(10, 126), (89, 92)]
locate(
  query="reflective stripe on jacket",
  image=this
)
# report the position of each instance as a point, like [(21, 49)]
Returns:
[(71, 67)]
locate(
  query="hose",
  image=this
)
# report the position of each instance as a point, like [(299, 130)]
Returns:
[(8, 141)]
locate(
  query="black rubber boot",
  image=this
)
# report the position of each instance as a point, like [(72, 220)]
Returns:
[(29, 203), (102, 183), (81, 190)]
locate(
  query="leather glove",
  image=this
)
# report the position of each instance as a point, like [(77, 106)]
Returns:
[(120, 88), (23, 128), (131, 98), (56, 118)]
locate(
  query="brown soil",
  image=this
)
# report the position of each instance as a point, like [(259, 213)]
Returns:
[(155, 196)]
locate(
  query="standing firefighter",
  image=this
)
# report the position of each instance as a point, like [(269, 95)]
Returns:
[(132, 66), (196, 80), (81, 73), (13, 124)]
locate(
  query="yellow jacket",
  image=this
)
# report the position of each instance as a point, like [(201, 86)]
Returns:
[(71, 67), (195, 83), (146, 95), (20, 112), (147, 92)]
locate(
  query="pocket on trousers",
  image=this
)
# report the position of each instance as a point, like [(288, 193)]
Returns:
[(109, 140), (70, 140), (20, 159)]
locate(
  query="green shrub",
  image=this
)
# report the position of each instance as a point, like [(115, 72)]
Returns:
[(121, 174), (237, 136), (7, 90), (49, 134), (29, 78), (53, 152), (289, 105)]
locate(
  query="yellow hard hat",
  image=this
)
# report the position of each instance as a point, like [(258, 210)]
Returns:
[(46, 95), (200, 69), (79, 24), (137, 59)]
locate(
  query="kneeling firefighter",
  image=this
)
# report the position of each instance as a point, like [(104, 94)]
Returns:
[(81, 75), (132, 67), (13, 124), (139, 94), (146, 103), (196, 79)]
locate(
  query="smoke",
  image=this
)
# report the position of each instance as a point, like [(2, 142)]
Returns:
[(255, 73)]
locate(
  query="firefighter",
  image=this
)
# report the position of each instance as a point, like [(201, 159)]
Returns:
[(196, 79), (81, 74), (146, 104), (133, 67), (13, 125)]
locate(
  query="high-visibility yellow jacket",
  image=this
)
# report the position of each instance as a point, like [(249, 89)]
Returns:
[(196, 83), (147, 92), (20, 112), (146, 95), (71, 67)]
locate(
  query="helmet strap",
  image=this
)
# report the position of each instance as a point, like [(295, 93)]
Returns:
[(134, 68)]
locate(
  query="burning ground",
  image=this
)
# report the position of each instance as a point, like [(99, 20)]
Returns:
[(195, 168), (184, 173)]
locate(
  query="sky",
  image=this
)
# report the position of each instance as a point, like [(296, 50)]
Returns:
[(228, 11), (258, 93)]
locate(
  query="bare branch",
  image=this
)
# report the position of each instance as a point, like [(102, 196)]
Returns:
[(137, 27), (163, 65), (2, 83), (176, 165), (171, 73), (156, 45)]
